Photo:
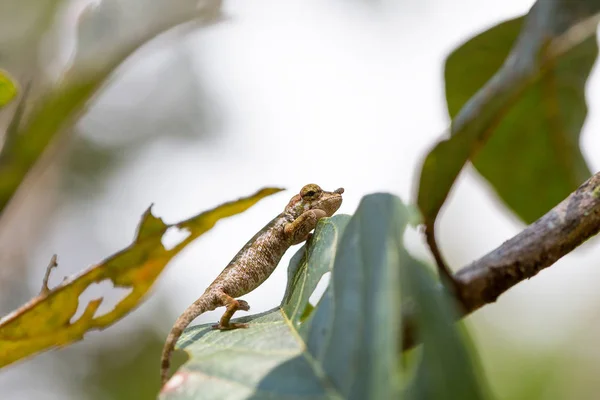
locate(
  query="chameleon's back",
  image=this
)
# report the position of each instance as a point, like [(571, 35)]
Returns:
[(256, 261)]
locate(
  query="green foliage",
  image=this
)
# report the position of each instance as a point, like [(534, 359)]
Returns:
[(529, 110), (516, 97), (349, 345)]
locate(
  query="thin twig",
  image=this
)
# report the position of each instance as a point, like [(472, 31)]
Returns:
[(444, 271)]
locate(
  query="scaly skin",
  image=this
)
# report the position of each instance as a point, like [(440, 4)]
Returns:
[(255, 262)]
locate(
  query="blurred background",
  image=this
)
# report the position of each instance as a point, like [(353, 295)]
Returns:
[(340, 93)]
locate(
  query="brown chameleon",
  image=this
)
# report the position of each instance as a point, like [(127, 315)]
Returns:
[(255, 262)]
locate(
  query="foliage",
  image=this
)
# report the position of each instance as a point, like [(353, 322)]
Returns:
[(516, 97)]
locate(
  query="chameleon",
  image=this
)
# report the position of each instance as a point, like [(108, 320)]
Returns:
[(255, 262)]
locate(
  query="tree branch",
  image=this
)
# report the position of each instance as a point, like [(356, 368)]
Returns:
[(541, 244)]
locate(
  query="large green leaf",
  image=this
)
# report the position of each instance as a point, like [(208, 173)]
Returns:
[(533, 158), (530, 109), (348, 345)]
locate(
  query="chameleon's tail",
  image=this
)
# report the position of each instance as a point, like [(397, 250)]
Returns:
[(200, 306)]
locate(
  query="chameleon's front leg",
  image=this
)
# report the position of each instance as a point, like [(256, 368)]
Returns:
[(300, 228), (232, 305)]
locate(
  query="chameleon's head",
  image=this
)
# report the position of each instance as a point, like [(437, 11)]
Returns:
[(312, 197)]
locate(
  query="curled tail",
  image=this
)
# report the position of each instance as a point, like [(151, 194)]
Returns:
[(200, 306)]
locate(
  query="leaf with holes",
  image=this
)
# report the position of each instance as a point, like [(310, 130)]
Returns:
[(347, 346), (516, 96), (44, 322)]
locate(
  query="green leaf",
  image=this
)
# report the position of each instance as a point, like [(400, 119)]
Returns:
[(533, 158), (349, 344), (446, 370), (357, 322), (528, 107), (8, 89)]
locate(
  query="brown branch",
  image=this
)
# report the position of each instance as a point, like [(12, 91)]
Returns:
[(541, 244)]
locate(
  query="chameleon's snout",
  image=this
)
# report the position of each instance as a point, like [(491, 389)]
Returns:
[(331, 201)]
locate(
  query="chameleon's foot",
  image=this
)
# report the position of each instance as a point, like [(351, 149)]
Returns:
[(230, 326), (243, 305), (232, 306)]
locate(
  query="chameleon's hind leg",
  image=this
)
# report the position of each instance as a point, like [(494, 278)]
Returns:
[(232, 306)]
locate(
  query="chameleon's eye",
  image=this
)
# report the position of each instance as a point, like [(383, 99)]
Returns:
[(310, 191)]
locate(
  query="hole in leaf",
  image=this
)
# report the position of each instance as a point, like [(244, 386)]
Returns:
[(173, 236), (111, 297), (320, 288)]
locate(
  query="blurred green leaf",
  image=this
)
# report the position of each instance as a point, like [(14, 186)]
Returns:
[(45, 321), (348, 346), (51, 115), (549, 63), (58, 108), (446, 370), (8, 89), (533, 158)]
